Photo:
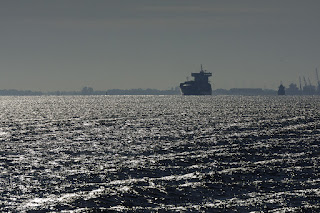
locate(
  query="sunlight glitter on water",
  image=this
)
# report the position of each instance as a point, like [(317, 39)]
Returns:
[(153, 153)]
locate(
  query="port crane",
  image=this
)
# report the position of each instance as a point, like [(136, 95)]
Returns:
[(300, 83), (305, 81), (318, 89)]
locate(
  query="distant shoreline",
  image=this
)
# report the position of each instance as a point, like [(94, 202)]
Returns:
[(173, 91), (90, 91)]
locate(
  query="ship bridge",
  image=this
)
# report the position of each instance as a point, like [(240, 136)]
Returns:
[(201, 76)]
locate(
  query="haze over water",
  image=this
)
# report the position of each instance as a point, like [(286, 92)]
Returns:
[(112, 44), (152, 153)]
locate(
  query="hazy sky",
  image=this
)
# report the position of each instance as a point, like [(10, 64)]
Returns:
[(67, 44)]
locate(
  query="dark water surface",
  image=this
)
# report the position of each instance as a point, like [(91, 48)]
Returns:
[(159, 153)]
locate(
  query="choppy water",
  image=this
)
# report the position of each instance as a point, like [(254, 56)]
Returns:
[(159, 153)]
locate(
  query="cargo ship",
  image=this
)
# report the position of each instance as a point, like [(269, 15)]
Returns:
[(199, 86)]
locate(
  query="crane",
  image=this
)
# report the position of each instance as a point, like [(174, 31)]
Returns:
[(300, 83), (305, 81), (318, 80)]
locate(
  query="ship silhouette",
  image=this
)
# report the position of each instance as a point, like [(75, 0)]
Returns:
[(281, 90), (199, 86)]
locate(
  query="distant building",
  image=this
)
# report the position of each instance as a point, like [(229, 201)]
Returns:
[(309, 90), (293, 90), (87, 91), (246, 91)]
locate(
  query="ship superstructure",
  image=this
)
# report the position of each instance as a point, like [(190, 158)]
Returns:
[(199, 86), (281, 90)]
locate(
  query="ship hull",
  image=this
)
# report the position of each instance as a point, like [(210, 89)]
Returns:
[(187, 89)]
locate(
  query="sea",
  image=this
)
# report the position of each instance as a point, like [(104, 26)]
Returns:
[(160, 154)]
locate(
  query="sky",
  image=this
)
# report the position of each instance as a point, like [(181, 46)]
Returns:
[(125, 44)]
